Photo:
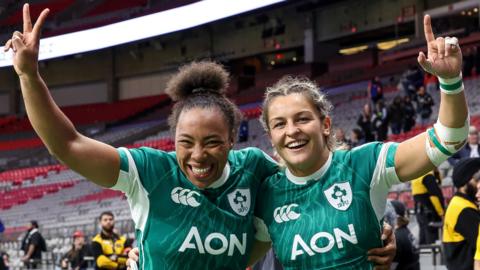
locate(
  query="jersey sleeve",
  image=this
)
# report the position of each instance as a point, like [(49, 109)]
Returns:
[(139, 175), (377, 162)]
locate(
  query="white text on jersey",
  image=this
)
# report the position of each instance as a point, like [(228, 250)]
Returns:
[(194, 241), (300, 247)]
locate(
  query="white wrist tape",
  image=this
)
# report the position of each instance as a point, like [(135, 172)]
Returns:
[(451, 86), (445, 141)]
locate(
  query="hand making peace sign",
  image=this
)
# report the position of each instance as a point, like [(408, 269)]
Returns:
[(26, 45), (444, 55)]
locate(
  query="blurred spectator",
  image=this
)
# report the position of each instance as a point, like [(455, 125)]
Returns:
[(407, 256), (431, 83), (375, 90), (3, 266), (5, 259), (470, 149), (380, 121), (32, 245), (462, 219), (341, 139), (109, 249), (424, 105), (411, 80), (356, 138), (395, 115), (74, 258), (365, 123), (2, 227), (429, 206), (409, 114)]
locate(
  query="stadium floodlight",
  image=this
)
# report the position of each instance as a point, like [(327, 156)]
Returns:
[(148, 26)]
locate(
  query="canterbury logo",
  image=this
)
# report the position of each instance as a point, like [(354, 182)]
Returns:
[(285, 213), (185, 196)]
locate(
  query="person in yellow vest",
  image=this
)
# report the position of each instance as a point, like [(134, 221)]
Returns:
[(429, 206), (462, 219), (109, 249)]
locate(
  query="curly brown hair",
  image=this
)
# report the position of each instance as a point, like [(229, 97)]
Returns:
[(202, 85)]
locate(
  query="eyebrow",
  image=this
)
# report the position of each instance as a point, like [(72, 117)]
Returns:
[(209, 137), (296, 114)]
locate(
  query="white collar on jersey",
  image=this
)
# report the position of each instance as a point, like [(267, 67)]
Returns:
[(223, 178), (301, 180)]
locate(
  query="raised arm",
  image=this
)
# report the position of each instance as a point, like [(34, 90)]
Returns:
[(422, 153), (97, 161)]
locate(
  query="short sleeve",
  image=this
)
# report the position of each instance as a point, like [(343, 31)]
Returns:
[(377, 160), (144, 165), (384, 177), (140, 172)]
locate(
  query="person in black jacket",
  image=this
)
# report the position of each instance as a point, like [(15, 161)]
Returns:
[(365, 123), (75, 257), (395, 114), (407, 256), (32, 245), (424, 105), (409, 114)]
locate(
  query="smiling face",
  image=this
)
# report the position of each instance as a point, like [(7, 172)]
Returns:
[(298, 133), (202, 143)]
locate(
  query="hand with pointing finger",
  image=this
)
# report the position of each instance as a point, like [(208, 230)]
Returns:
[(25, 45), (444, 58)]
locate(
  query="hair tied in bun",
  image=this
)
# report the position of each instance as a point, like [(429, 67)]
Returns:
[(205, 91)]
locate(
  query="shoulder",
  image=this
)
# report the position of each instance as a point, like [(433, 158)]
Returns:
[(148, 153), (249, 153), (97, 238)]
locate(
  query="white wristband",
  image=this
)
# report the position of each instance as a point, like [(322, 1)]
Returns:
[(451, 86)]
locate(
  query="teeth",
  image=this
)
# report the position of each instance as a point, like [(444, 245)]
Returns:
[(200, 170), (296, 143)]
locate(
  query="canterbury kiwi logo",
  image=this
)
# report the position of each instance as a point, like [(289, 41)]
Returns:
[(185, 196), (285, 213)]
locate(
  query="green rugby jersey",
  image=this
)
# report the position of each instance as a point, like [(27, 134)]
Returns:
[(180, 226), (330, 219)]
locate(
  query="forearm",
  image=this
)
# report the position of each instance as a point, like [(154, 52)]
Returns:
[(29, 254), (477, 265), (453, 110), (50, 123)]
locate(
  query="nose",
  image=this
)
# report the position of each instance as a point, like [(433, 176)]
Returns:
[(198, 153), (291, 129)]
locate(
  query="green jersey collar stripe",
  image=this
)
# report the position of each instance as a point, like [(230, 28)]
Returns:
[(440, 147), (123, 159), (392, 149), (451, 87)]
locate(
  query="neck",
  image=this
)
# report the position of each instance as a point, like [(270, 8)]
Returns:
[(307, 170), (107, 233)]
